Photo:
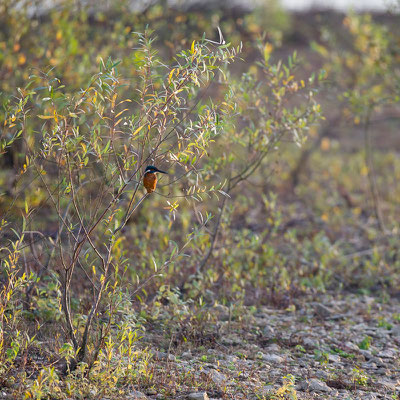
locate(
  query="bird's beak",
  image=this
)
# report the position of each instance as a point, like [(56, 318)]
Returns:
[(162, 172)]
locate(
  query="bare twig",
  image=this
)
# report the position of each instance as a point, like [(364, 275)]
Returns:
[(369, 162), (214, 235)]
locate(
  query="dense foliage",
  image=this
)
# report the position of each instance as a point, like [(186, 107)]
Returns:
[(275, 186)]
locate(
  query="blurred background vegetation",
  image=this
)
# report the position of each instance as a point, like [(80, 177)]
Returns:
[(296, 194)]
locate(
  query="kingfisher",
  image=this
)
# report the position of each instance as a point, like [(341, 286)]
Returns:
[(150, 178)]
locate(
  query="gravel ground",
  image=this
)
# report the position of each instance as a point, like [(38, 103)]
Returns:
[(343, 347)]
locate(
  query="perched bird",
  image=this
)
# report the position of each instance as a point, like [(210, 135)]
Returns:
[(150, 178)]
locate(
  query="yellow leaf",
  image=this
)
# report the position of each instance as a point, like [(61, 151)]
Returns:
[(285, 82), (125, 109), (267, 51), (137, 130), (170, 74), (124, 101), (46, 116), (114, 98)]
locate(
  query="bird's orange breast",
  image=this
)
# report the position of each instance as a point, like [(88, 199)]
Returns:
[(150, 182)]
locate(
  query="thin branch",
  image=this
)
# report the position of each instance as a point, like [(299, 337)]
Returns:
[(213, 237), (371, 173)]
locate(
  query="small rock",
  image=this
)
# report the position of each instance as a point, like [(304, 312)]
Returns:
[(352, 346), (315, 385), (303, 361), (382, 333), (310, 343), (268, 332), (334, 358), (273, 347), (251, 346), (273, 358), (231, 340), (381, 371), (135, 395), (368, 300), (395, 331), (388, 385), (321, 374), (336, 317), (370, 396), (360, 327), (369, 365), (218, 377), (366, 353), (386, 354), (198, 396), (231, 359), (161, 356), (379, 362), (322, 311), (275, 373)]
